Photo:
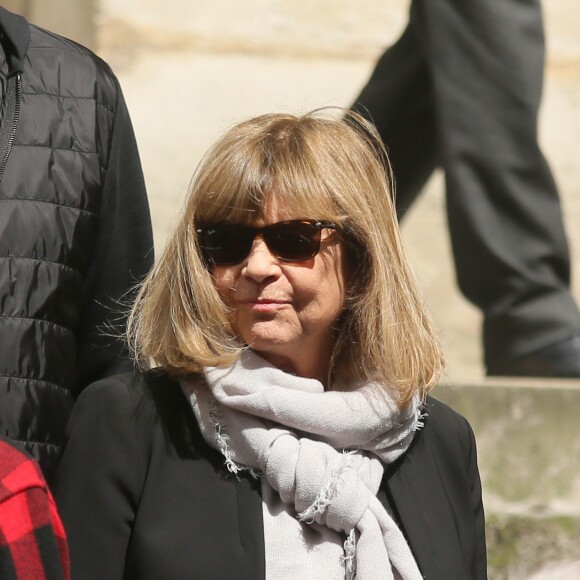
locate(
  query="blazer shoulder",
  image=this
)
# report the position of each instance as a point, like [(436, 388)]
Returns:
[(442, 413), (121, 393), (444, 424), (129, 388), (153, 404), (133, 396)]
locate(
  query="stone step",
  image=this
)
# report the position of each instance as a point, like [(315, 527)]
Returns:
[(520, 545), (528, 439)]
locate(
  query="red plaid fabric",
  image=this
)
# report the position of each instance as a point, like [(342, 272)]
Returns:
[(32, 538)]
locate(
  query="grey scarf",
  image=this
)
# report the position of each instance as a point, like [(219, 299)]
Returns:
[(321, 451)]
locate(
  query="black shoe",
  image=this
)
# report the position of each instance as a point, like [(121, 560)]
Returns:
[(559, 360)]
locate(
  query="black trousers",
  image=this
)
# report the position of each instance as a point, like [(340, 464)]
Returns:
[(461, 89)]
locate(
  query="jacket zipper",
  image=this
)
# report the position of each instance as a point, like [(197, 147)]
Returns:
[(13, 97)]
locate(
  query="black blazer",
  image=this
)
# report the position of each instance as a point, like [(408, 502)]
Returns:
[(143, 496)]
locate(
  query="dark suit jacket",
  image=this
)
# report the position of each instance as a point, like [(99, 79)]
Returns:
[(143, 496)]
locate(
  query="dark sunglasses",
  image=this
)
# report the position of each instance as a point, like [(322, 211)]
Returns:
[(225, 244)]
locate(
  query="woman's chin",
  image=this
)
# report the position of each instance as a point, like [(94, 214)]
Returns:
[(269, 337), (265, 347)]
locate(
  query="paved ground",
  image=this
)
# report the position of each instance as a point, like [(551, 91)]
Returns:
[(181, 101)]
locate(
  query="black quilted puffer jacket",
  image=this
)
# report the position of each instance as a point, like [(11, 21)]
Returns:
[(75, 231)]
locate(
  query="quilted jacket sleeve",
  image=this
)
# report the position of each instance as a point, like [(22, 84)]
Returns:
[(123, 254)]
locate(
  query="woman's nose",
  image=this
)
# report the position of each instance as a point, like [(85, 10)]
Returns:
[(260, 263)]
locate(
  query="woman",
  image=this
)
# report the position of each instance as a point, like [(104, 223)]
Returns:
[(284, 430)]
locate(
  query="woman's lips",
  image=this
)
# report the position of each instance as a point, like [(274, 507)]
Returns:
[(264, 305)]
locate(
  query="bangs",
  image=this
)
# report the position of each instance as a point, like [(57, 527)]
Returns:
[(251, 196), (242, 180)]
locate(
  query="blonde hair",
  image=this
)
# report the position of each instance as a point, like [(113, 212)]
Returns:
[(321, 167)]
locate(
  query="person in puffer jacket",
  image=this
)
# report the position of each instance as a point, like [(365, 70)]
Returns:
[(75, 231)]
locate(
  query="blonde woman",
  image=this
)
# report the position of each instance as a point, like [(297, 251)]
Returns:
[(283, 428)]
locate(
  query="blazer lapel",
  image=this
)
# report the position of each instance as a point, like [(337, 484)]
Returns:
[(417, 493), (251, 523)]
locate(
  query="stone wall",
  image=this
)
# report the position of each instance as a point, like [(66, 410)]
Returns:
[(315, 28), (529, 457)]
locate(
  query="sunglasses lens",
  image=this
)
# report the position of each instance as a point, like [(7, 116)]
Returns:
[(293, 241), (224, 244)]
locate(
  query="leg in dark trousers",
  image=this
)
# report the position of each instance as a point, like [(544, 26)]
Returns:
[(462, 88)]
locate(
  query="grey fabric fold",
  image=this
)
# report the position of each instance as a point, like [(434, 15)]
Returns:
[(323, 452)]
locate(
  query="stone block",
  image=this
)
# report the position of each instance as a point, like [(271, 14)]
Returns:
[(336, 28), (529, 457), (520, 546)]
